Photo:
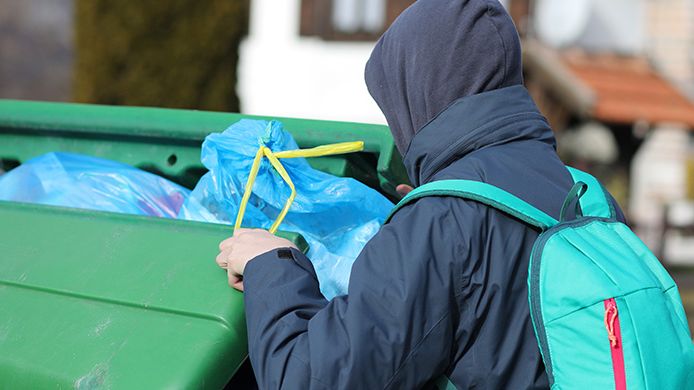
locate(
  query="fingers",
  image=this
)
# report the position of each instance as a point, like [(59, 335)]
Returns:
[(226, 244), (227, 260), (244, 245), (235, 280), (222, 259), (243, 231), (238, 285)]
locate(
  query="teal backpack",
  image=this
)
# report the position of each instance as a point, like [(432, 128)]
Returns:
[(606, 314)]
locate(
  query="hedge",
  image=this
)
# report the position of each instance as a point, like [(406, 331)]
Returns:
[(174, 53)]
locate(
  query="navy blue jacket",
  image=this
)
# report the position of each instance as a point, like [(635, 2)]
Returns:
[(441, 289)]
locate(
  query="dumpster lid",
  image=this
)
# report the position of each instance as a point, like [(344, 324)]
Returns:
[(98, 299)]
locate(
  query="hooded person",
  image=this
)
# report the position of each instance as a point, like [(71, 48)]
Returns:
[(441, 290)]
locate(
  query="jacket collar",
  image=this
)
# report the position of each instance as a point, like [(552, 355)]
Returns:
[(472, 123)]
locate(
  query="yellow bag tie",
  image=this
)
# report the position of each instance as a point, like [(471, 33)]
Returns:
[(273, 157)]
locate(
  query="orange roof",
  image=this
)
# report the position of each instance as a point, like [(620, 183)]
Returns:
[(627, 90)]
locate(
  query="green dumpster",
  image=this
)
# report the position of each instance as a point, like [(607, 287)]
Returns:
[(167, 141), (93, 299)]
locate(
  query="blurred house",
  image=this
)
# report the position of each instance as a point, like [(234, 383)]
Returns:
[(305, 58), (615, 80)]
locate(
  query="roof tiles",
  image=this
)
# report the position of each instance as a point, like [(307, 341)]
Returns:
[(628, 89)]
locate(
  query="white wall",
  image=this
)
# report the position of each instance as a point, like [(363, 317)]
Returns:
[(283, 74), (658, 178), (614, 25), (618, 25), (671, 41)]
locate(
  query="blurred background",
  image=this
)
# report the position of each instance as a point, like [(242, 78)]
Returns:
[(614, 78)]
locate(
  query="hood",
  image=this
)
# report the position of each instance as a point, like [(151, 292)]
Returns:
[(438, 51), (500, 117)]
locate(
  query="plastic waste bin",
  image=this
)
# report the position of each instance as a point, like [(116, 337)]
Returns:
[(167, 141), (93, 299)]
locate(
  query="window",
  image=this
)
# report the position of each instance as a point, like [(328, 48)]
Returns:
[(349, 20), (353, 16)]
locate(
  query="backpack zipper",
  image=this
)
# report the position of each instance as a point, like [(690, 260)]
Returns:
[(614, 336)]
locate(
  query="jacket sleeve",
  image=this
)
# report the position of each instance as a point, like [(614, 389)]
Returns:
[(395, 328)]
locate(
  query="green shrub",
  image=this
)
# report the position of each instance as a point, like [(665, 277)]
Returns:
[(174, 53)]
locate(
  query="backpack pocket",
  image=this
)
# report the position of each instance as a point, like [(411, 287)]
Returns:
[(661, 348), (631, 342), (579, 350)]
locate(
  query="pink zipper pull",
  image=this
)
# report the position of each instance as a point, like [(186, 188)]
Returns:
[(614, 334), (610, 317)]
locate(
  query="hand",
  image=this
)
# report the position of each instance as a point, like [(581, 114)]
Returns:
[(244, 246), (403, 189)]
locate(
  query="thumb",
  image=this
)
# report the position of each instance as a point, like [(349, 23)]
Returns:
[(403, 189)]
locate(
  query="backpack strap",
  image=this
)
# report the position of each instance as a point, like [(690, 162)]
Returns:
[(595, 202), (443, 383), (484, 193)]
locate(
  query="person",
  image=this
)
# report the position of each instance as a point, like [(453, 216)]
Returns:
[(441, 290)]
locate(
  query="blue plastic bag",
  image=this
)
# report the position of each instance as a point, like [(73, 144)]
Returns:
[(337, 216), (73, 180)]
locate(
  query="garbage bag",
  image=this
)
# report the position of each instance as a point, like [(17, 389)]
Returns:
[(74, 180), (336, 216)]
